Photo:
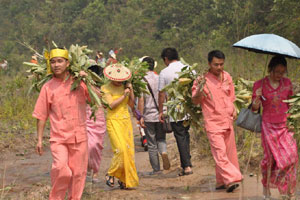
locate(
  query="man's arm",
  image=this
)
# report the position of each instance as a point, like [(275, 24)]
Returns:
[(232, 93), (141, 105), (161, 100), (40, 131), (141, 110), (197, 94)]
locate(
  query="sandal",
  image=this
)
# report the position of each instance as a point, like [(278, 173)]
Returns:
[(110, 180), (232, 187), (221, 187), (122, 185), (183, 173)]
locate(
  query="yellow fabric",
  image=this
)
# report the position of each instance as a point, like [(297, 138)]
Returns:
[(120, 133), (112, 93), (47, 57), (59, 53)]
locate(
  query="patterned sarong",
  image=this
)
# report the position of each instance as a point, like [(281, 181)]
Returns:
[(279, 165)]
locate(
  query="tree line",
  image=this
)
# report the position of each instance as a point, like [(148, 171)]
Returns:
[(141, 27)]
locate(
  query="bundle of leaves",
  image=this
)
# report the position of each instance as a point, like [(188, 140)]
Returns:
[(294, 111), (243, 93), (179, 92), (38, 73), (139, 70), (79, 61)]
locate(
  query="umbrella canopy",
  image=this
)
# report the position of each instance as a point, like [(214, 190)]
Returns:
[(269, 44)]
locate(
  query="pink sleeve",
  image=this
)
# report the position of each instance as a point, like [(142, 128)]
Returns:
[(290, 88), (196, 100), (290, 92), (86, 92), (42, 106)]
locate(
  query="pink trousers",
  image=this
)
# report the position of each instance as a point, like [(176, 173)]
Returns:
[(68, 171), (223, 149)]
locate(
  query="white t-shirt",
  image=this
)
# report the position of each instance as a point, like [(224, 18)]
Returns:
[(167, 75)]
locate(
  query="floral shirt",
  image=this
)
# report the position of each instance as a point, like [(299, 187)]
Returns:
[(274, 109)]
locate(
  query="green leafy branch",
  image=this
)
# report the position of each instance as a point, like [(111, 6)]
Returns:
[(179, 102), (294, 111), (139, 71)]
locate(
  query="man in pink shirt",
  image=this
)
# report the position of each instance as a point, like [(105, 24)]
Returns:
[(216, 100), (66, 110)]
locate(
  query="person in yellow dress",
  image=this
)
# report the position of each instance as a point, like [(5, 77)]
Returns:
[(119, 96)]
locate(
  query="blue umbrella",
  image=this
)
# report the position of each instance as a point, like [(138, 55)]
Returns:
[(269, 44)]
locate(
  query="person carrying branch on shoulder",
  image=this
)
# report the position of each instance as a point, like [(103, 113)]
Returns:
[(167, 75), (96, 131), (216, 100), (119, 96), (148, 107), (66, 110)]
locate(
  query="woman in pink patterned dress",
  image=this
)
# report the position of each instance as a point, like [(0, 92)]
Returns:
[(279, 164), (96, 131)]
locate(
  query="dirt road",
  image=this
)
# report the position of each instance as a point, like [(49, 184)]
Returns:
[(27, 177)]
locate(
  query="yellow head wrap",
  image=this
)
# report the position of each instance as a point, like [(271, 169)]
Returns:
[(59, 53)]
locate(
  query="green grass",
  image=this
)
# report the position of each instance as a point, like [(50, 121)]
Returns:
[(16, 109)]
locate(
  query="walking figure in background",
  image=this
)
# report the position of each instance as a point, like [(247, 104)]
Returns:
[(96, 131), (138, 115), (119, 96), (216, 100), (68, 139), (34, 59), (4, 64), (181, 133), (100, 60), (148, 107), (113, 56), (280, 161)]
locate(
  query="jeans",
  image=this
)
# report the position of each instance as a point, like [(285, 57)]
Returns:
[(182, 137), (156, 140)]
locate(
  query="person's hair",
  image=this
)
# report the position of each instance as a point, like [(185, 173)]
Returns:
[(150, 62), (170, 53), (97, 69), (215, 53), (276, 60)]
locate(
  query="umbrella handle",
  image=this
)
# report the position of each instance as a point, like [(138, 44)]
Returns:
[(265, 66)]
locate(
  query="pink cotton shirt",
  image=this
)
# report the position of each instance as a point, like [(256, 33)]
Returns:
[(217, 106), (274, 109), (65, 108)]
